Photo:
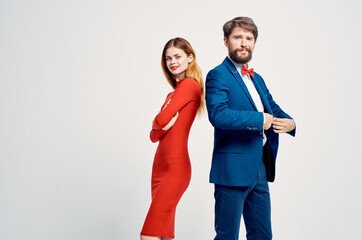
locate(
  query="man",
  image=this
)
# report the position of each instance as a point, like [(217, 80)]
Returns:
[(247, 124)]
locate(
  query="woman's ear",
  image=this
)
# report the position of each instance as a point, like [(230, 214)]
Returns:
[(190, 58)]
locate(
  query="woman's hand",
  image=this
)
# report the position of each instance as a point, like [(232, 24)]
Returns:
[(166, 104), (171, 123)]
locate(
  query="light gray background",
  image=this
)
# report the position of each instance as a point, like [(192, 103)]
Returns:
[(80, 82)]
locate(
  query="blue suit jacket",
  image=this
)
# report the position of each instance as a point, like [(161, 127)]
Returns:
[(238, 141)]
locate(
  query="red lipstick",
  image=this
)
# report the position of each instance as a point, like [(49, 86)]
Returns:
[(174, 67)]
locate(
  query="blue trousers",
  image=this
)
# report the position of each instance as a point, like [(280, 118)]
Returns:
[(253, 202)]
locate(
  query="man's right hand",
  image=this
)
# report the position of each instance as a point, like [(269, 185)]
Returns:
[(268, 120)]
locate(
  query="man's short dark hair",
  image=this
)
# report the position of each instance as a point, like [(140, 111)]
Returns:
[(242, 22)]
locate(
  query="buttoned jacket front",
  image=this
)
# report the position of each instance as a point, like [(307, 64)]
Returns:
[(238, 135)]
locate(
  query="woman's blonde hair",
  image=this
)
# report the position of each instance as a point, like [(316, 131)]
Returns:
[(193, 70)]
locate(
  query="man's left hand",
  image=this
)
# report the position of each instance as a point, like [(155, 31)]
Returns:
[(283, 125)]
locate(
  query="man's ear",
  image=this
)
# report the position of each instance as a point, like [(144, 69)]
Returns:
[(226, 42)]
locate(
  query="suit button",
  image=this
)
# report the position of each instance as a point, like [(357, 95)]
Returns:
[(261, 132)]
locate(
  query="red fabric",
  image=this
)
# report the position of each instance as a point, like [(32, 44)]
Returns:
[(244, 71), (171, 172)]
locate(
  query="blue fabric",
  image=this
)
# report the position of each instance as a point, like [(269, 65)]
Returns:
[(252, 201), (238, 136)]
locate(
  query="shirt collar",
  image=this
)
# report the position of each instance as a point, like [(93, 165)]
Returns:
[(238, 65)]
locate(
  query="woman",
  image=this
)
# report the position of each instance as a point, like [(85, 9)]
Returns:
[(171, 171)]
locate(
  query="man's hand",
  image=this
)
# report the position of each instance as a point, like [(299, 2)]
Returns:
[(268, 120), (171, 122), (282, 125)]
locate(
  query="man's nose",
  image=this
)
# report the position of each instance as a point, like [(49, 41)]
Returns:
[(242, 42)]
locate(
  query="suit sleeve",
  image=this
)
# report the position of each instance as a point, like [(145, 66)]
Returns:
[(277, 111), (220, 115), (188, 91)]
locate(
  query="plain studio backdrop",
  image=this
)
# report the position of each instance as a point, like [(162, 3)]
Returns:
[(81, 81)]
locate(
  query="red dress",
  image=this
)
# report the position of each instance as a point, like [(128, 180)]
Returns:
[(171, 172)]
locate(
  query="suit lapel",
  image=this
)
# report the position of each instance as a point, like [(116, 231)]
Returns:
[(230, 66)]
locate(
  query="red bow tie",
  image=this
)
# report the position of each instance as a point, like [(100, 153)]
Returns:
[(244, 71)]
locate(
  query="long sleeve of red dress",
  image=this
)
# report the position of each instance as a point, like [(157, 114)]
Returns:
[(183, 94)]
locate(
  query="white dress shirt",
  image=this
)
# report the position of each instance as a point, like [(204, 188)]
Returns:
[(252, 90)]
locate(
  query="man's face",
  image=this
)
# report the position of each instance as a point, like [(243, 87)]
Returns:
[(240, 44)]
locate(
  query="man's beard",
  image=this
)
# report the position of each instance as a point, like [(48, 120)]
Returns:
[(241, 60)]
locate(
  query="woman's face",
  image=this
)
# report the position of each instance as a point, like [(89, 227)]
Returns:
[(177, 62)]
